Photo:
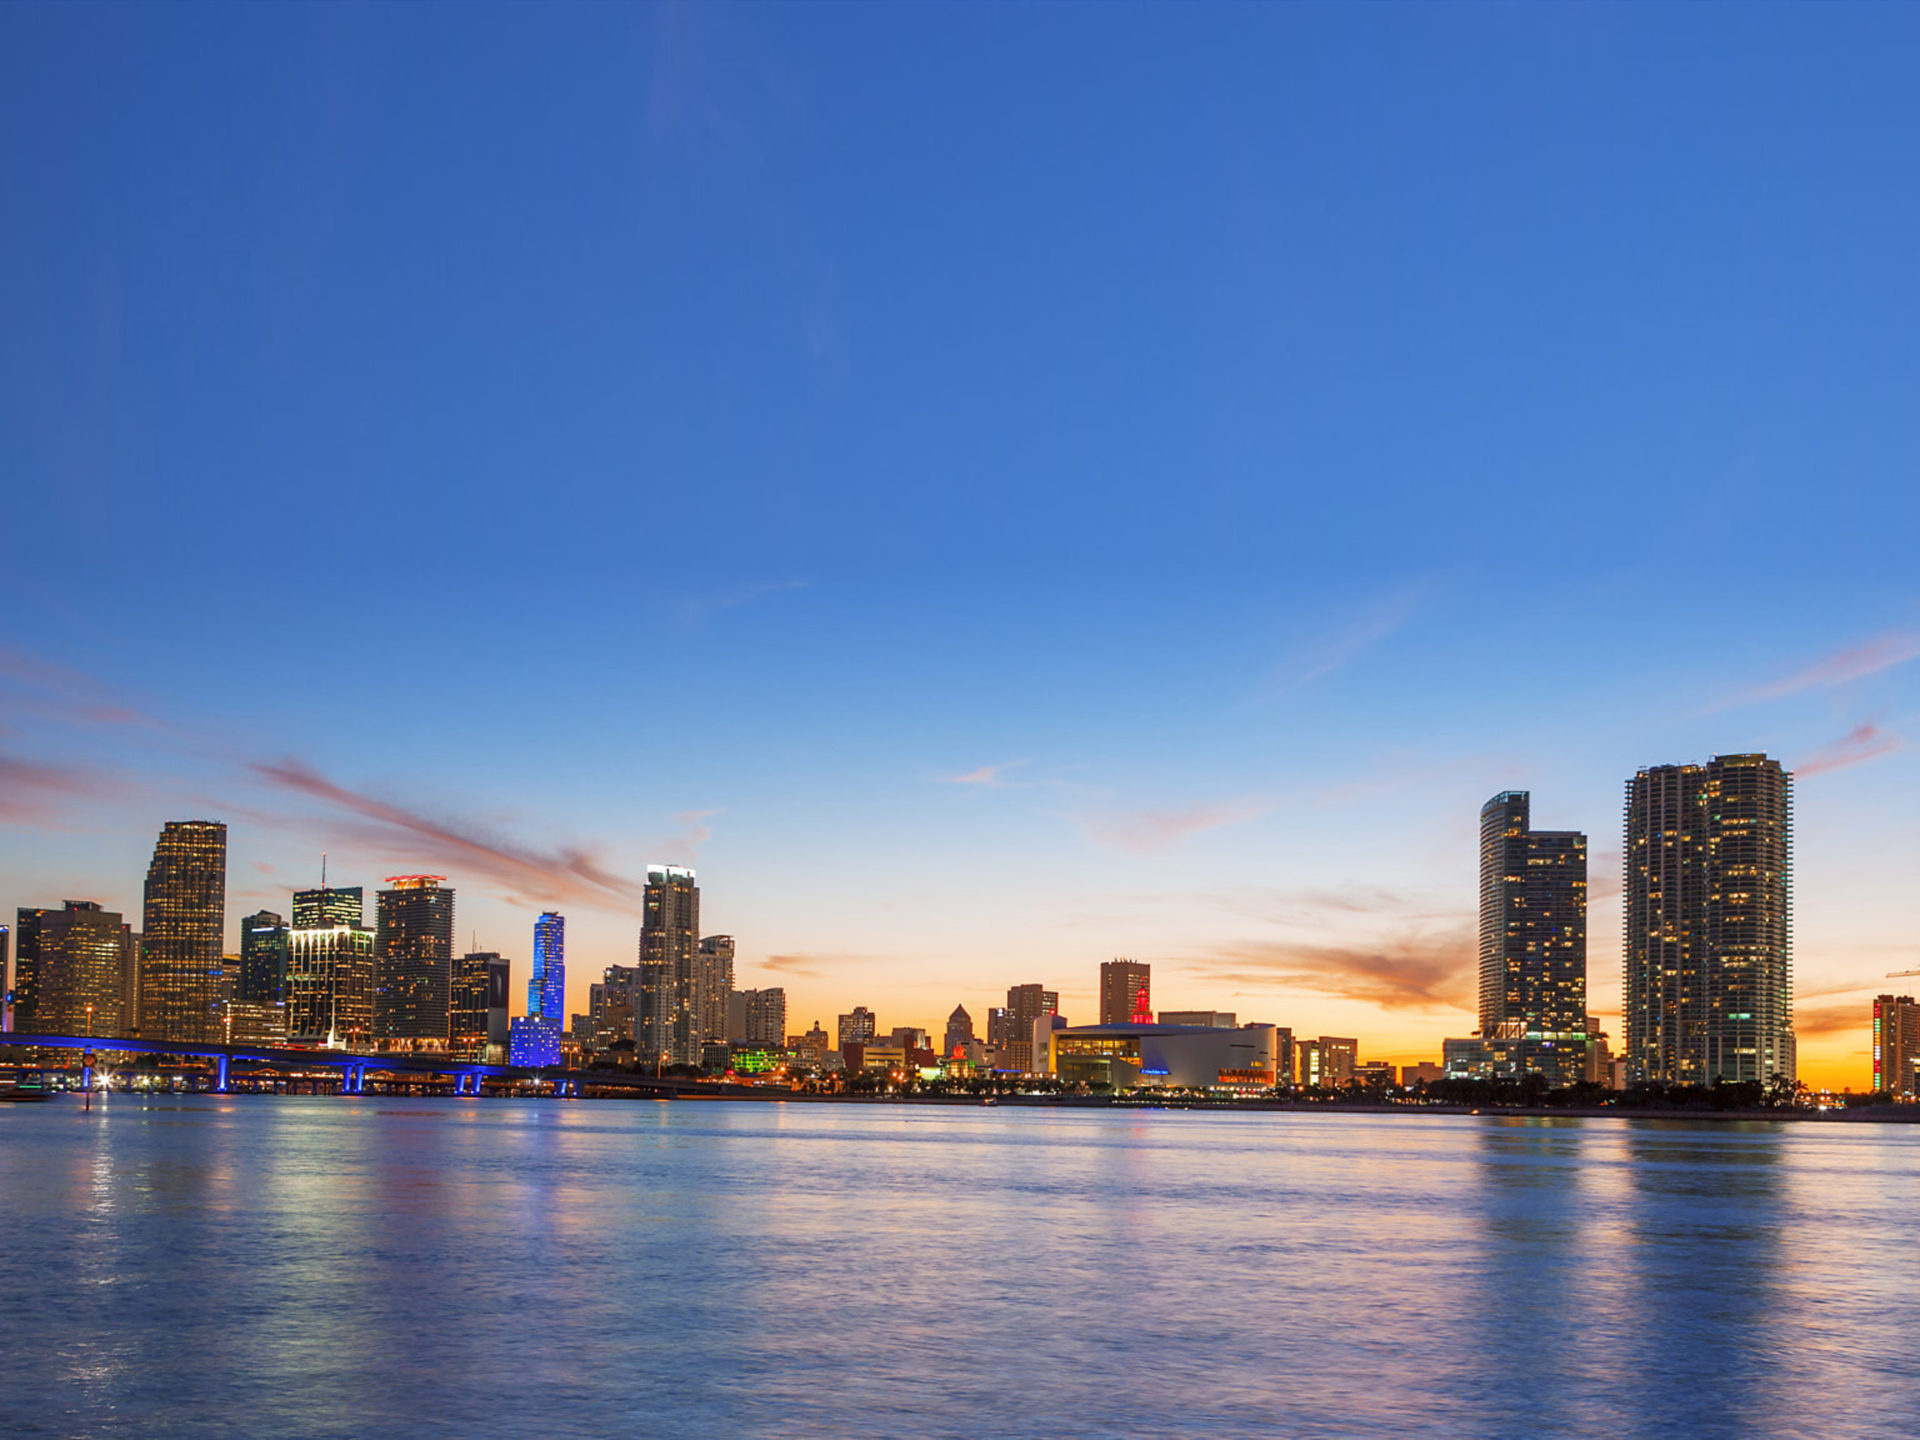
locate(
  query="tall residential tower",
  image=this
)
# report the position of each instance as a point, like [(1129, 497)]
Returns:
[(668, 1028), (1709, 933), (413, 960), (1533, 940)]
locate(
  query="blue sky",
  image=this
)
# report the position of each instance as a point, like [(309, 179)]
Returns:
[(1240, 439)]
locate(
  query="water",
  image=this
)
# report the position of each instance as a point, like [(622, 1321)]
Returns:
[(327, 1267)]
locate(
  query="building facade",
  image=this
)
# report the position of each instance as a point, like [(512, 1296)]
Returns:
[(1709, 926), (263, 959), (468, 1001), (765, 1020), (73, 970), (669, 1026), (1126, 992), (183, 927), (413, 960), (1026, 1005), (713, 984), (1896, 1044), (330, 970), (959, 1033), (1533, 938)]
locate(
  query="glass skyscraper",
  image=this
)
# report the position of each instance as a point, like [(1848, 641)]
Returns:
[(1533, 941), (1709, 932), (183, 928), (330, 969), (263, 958), (72, 976), (536, 1035)]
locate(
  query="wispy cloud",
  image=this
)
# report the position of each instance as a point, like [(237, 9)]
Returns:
[(1834, 1019), (695, 608), (1146, 832), (1856, 662), (32, 793), (808, 966), (1413, 972), (987, 777), (571, 873), (1345, 643), (30, 685), (1862, 743)]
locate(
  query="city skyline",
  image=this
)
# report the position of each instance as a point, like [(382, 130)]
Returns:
[(1079, 547)]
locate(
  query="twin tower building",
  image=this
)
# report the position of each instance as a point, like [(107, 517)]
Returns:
[(1708, 995)]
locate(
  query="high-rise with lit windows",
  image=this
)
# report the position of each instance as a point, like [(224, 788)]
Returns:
[(183, 927), (330, 968), (72, 970), (1709, 928), (1126, 992), (413, 960), (1533, 940), (1896, 1045), (668, 1028)]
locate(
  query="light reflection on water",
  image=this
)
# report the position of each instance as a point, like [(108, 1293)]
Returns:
[(363, 1267)]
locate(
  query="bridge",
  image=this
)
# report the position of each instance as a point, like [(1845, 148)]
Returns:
[(354, 1065)]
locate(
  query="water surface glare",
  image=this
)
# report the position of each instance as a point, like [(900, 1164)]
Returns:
[(335, 1267)]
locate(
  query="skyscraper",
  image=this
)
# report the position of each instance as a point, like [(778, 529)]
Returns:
[(1709, 933), (413, 959), (330, 969), (857, 1027), (467, 1004), (668, 1028), (766, 1018), (1533, 940), (536, 1036), (263, 958), (1125, 992), (182, 930), (1896, 1044), (73, 970), (713, 982)]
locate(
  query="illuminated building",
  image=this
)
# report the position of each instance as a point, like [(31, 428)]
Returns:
[(1896, 1044), (256, 1022), (263, 959), (1125, 992), (1599, 1067), (1338, 1057), (857, 1027), (72, 974), (1375, 1074), (713, 984), (468, 1003), (668, 1027), (330, 970), (1027, 1005), (959, 1032), (182, 931), (1709, 932), (318, 909), (1142, 1056), (413, 960), (534, 1038), (1533, 938)]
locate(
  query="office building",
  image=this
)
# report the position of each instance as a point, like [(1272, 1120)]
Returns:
[(182, 932), (413, 961), (1026, 1007), (1709, 933), (857, 1027), (330, 966), (613, 1003), (713, 984), (1533, 939), (71, 976), (959, 1033), (669, 1024), (263, 959), (256, 1022), (1125, 992), (1896, 1044), (534, 1038), (468, 1001)]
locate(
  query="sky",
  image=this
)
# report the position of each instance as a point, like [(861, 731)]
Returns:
[(994, 488)]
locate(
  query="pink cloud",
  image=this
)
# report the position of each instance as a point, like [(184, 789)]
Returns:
[(1145, 832), (1856, 662), (1859, 745)]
